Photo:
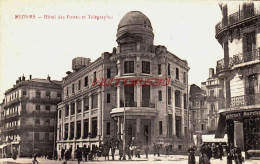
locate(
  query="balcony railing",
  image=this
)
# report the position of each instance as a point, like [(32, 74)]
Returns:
[(149, 105), (238, 59), (128, 104), (10, 128), (245, 100), (235, 18), (46, 100)]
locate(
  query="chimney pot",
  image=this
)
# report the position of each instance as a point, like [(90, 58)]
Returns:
[(30, 77)]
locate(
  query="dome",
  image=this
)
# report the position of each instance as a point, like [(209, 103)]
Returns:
[(135, 22)]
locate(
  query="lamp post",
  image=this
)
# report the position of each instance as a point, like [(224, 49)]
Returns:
[(124, 144)]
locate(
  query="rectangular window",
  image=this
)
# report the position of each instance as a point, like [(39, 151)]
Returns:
[(86, 81), (108, 98), (72, 109), (86, 104), (46, 136), (159, 69), (48, 95), (184, 77), (129, 66), (48, 108), (160, 128), (177, 74), (66, 111), (79, 85), (59, 95), (94, 127), (47, 123), (185, 101), (38, 94), (145, 96), (72, 89), (24, 93), (67, 91), (86, 128), (78, 129), (37, 122), (71, 130), (108, 73), (59, 114), (129, 97), (145, 67), (94, 101), (169, 69), (38, 107), (159, 95), (108, 128), (169, 95), (59, 133), (95, 77), (78, 106), (177, 98), (66, 131)]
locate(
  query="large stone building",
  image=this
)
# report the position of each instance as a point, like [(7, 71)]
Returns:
[(28, 116), (155, 113), (205, 102), (239, 35)]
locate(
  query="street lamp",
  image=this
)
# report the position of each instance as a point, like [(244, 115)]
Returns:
[(124, 158)]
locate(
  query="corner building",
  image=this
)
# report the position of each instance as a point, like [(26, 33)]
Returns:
[(28, 117), (239, 35), (89, 115)]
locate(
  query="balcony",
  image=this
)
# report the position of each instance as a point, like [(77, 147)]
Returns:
[(245, 100), (52, 101), (236, 18), (128, 104), (149, 105), (8, 129), (238, 59)]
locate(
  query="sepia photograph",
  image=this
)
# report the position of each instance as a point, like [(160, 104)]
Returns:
[(84, 81)]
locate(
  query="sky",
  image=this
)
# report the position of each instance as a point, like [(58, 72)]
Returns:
[(42, 47)]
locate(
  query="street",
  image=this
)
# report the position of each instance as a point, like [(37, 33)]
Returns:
[(181, 159)]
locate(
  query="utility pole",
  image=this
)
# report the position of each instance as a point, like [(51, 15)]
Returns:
[(124, 144)]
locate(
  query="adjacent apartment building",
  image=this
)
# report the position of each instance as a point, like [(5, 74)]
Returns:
[(91, 112), (28, 116), (239, 34)]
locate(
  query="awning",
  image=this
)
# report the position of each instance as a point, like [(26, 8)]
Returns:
[(2, 146), (220, 133), (211, 138)]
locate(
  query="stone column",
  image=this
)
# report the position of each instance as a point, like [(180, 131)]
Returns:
[(69, 120), (138, 95), (89, 114), (182, 115), (118, 67), (173, 113), (138, 129), (118, 95), (75, 120), (99, 115), (239, 134), (82, 118)]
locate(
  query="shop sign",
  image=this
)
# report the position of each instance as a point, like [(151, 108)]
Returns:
[(251, 113), (233, 116)]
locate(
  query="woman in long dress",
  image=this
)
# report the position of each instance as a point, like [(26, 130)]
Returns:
[(191, 157), (203, 159)]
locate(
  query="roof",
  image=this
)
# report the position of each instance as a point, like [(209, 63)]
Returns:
[(194, 89)]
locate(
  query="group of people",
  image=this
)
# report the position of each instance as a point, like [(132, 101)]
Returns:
[(208, 151)]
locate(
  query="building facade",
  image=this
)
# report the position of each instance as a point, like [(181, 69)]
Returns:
[(205, 102), (239, 35), (28, 116), (155, 113)]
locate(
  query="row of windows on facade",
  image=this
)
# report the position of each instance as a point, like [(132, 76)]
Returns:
[(86, 132), (128, 68), (169, 131), (38, 95), (46, 137), (177, 95)]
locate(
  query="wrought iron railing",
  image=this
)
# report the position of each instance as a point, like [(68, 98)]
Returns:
[(238, 59), (245, 100), (147, 104), (128, 104), (235, 18)]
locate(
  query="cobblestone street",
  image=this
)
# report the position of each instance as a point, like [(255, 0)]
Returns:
[(181, 159)]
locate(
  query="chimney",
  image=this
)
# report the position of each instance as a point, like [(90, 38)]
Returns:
[(17, 81), (211, 72), (30, 77), (49, 78), (20, 79), (23, 78)]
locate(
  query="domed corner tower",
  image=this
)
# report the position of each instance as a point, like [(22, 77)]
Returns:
[(135, 32)]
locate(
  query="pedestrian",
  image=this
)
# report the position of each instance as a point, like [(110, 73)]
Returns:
[(167, 150), (221, 150), (67, 155), (208, 151), (154, 149), (146, 151), (203, 158), (219, 155), (113, 150), (138, 149), (131, 150), (214, 151), (229, 155), (191, 155), (105, 151), (128, 152), (78, 153), (15, 153), (237, 155), (35, 160), (158, 150), (62, 153), (55, 154)]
